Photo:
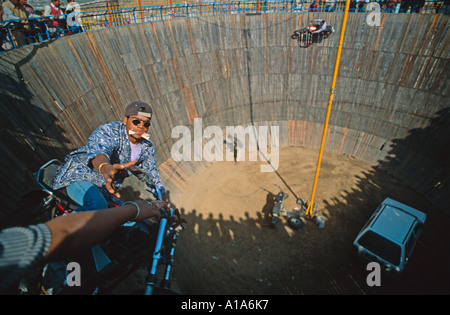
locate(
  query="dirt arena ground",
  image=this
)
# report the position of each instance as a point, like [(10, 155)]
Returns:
[(230, 248)]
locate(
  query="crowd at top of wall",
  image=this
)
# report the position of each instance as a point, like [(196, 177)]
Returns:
[(21, 24)]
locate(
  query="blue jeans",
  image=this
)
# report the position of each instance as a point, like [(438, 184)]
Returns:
[(90, 197), (87, 195)]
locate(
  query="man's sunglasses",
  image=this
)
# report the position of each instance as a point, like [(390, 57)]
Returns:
[(137, 122)]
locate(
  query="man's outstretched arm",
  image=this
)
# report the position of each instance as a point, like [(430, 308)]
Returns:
[(79, 231)]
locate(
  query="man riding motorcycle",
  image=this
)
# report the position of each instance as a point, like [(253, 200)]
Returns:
[(319, 24)]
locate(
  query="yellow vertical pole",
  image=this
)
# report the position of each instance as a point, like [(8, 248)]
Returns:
[(140, 9), (325, 127)]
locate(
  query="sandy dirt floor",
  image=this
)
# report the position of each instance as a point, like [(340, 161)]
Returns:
[(230, 247)]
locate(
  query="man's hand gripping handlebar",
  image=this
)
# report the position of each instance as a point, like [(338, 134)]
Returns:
[(173, 217)]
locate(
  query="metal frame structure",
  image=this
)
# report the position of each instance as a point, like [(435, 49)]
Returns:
[(122, 13)]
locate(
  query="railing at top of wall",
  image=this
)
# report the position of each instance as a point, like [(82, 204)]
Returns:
[(16, 33)]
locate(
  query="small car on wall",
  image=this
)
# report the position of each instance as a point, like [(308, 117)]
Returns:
[(390, 235)]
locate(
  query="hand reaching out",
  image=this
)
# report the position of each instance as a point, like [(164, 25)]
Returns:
[(109, 172)]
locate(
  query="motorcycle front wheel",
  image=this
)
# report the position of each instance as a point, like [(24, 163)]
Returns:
[(295, 223), (274, 221)]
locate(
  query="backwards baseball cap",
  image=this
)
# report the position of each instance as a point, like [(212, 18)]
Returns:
[(139, 108)]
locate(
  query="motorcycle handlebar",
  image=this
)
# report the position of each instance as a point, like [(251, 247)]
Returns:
[(166, 212), (172, 216)]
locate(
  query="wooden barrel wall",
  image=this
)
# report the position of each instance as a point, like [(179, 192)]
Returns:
[(390, 108)]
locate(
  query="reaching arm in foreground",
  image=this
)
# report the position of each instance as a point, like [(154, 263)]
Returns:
[(23, 249), (82, 230)]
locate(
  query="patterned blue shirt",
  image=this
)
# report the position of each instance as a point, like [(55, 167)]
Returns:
[(112, 140)]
